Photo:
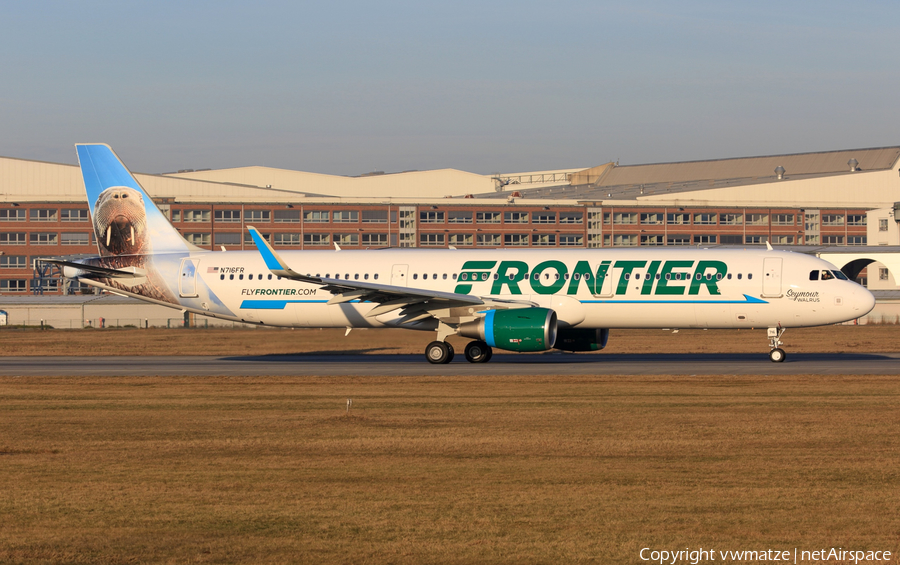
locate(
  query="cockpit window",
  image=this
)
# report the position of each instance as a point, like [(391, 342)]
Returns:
[(814, 275), (840, 275), (827, 276)]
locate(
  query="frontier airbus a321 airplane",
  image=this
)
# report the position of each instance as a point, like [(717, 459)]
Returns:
[(522, 300)]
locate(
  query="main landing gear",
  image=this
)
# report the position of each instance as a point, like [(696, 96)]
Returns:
[(777, 354), (441, 352)]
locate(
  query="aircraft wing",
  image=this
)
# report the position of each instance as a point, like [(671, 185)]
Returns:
[(415, 303)]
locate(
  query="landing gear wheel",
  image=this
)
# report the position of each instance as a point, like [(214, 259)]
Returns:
[(439, 353), (478, 352), (777, 355)]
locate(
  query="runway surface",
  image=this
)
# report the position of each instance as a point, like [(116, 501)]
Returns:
[(415, 365)]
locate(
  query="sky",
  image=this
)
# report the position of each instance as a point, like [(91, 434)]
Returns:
[(485, 86)]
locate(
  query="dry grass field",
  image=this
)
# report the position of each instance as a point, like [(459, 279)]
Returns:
[(552, 469), (443, 470), (872, 338)]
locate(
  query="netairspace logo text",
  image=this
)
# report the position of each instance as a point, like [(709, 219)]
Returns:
[(695, 556)]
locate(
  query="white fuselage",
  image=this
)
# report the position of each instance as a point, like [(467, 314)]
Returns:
[(617, 288)]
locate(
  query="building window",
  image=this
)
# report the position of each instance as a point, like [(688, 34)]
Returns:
[(702, 239), (13, 262), (290, 216), (258, 215), (431, 239), (488, 240), (311, 239), (757, 219), (811, 240), (345, 216), (678, 219), (74, 238), (782, 219), (625, 240), (833, 239), (832, 219), (459, 217), (38, 238), (12, 285), (12, 215), (487, 217), (228, 216), (704, 219), (882, 224), (431, 217), (346, 239), (731, 239), (883, 274), (571, 217), (625, 218), (543, 239), (571, 240), (196, 215), (543, 217), (515, 217), (228, 238), (595, 240), (653, 219), (74, 215), (285, 239), (731, 219), (197, 238), (309, 217), (515, 239), (374, 216), (43, 215), (857, 220), (782, 240), (652, 240), (12, 238), (755, 239), (460, 239), (857, 240), (176, 215), (678, 240), (375, 239)]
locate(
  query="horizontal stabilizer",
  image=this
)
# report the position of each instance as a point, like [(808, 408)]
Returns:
[(126, 273)]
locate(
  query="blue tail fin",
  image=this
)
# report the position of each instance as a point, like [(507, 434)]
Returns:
[(125, 220)]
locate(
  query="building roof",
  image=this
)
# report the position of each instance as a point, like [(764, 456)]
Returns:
[(631, 182)]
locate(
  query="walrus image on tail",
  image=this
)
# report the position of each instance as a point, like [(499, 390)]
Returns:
[(120, 222), (120, 225)]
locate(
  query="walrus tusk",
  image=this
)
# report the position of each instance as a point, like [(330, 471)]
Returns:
[(108, 234), (132, 236)]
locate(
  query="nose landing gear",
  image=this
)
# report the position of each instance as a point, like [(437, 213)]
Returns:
[(776, 355)]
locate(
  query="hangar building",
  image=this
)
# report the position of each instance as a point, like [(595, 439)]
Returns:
[(839, 202)]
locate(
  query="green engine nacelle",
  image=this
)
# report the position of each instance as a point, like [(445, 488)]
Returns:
[(578, 339), (520, 329)]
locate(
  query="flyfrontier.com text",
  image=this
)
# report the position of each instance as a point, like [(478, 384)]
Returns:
[(695, 556)]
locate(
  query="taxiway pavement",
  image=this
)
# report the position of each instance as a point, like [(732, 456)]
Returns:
[(416, 365)]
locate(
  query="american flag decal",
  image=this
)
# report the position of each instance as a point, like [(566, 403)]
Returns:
[(212, 270)]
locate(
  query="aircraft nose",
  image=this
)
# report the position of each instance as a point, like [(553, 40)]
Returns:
[(863, 300)]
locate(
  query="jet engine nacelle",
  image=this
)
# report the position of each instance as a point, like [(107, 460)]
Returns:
[(581, 339), (521, 329)]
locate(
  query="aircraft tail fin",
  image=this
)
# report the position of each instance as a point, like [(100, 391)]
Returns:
[(125, 219)]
